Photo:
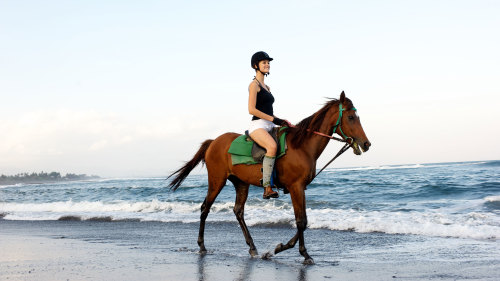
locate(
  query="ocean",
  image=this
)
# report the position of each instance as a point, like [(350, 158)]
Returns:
[(436, 221), (450, 200)]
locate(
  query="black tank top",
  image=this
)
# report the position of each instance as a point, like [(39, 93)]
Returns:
[(264, 102)]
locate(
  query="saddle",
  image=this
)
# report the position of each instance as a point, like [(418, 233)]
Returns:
[(258, 152), (244, 150)]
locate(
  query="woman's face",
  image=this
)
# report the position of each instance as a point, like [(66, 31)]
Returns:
[(264, 66)]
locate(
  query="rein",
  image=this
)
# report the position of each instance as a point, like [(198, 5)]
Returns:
[(342, 150), (348, 144)]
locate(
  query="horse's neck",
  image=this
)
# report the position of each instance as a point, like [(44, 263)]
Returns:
[(316, 144)]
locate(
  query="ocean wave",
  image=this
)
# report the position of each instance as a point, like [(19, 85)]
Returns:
[(416, 166), (440, 222), (383, 167), (12, 185), (99, 206), (492, 198), (472, 225), (492, 163), (492, 203)]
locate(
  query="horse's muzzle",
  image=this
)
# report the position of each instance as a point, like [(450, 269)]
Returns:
[(366, 146), (358, 147)]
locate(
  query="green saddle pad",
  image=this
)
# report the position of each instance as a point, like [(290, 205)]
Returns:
[(241, 150)]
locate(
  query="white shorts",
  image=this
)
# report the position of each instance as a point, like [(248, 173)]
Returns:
[(260, 124)]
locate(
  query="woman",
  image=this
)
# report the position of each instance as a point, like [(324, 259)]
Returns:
[(260, 105)]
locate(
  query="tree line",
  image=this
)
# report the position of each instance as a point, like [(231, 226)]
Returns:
[(43, 177)]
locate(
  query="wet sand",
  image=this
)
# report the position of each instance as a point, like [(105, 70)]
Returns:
[(83, 250)]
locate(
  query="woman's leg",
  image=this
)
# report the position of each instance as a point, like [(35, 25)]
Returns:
[(264, 139)]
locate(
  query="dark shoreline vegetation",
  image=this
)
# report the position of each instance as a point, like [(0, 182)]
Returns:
[(43, 177)]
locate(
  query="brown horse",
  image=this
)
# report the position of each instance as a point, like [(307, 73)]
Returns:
[(295, 170)]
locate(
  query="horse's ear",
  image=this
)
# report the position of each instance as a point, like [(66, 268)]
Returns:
[(342, 97)]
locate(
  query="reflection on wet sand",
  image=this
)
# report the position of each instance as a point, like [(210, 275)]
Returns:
[(246, 271)]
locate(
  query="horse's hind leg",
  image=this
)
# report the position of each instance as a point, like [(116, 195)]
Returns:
[(239, 210), (215, 185)]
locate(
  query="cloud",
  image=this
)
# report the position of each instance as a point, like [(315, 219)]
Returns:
[(103, 142), (98, 145)]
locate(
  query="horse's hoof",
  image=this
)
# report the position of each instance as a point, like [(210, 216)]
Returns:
[(308, 261), (278, 248), (253, 253), (203, 251), (266, 256)]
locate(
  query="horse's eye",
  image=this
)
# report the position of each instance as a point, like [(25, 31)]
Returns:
[(351, 117)]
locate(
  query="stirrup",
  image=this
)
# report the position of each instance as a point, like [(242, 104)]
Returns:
[(272, 194)]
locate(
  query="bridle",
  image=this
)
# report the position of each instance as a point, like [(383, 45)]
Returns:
[(338, 125), (349, 142)]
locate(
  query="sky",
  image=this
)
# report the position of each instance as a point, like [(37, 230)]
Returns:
[(132, 88)]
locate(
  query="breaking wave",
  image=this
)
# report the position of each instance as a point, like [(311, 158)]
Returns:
[(440, 223)]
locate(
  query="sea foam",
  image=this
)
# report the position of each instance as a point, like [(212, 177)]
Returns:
[(492, 198), (433, 223)]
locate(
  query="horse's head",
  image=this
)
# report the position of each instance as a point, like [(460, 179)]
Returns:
[(336, 116), (348, 125)]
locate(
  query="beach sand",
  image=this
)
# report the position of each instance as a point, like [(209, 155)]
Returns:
[(93, 250)]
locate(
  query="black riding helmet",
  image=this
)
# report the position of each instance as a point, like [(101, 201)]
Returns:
[(259, 56)]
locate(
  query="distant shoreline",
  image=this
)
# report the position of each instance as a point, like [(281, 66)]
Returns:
[(43, 177)]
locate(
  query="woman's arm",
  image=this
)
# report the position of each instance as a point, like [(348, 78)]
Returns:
[(252, 101)]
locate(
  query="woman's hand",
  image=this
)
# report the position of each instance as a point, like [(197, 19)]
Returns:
[(282, 122)]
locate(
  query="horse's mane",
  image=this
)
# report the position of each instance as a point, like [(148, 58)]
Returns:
[(312, 123)]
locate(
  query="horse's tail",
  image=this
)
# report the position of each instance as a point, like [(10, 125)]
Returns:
[(184, 171)]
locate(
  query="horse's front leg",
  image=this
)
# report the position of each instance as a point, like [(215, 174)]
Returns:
[(299, 207), (302, 248)]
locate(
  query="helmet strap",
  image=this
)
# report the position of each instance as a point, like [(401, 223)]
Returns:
[(258, 69)]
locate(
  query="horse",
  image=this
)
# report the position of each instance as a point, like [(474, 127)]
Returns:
[(295, 170)]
